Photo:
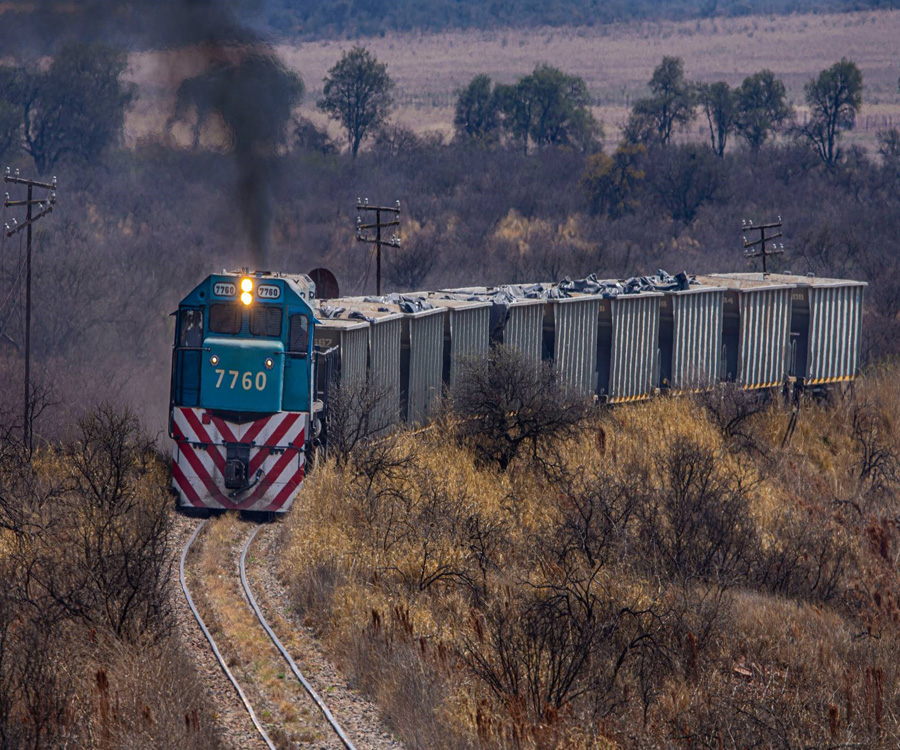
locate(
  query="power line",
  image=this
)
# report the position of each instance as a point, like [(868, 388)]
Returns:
[(764, 252), (362, 234), (44, 206)]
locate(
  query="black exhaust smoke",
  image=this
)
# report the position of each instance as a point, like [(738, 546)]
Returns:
[(242, 79)]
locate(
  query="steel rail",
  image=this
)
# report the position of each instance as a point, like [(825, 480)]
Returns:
[(262, 620), (212, 643)]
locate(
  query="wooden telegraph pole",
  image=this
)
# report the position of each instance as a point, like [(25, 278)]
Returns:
[(362, 230), (763, 251), (44, 207)]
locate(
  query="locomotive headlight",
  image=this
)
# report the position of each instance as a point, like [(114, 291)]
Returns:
[(270, 363), (246, 285), (214, 360), (246, 298)]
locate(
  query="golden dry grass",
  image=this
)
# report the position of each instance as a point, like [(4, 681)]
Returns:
[(355, 568)]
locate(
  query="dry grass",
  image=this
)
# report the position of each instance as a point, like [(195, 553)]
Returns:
[(616, 61), (792, 636)]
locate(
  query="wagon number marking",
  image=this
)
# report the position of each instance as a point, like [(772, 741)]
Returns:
[(248, 382)]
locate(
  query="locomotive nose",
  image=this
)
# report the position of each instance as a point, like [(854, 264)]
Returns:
[(242, 374)]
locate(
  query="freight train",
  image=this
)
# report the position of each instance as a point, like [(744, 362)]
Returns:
[(255, 355)]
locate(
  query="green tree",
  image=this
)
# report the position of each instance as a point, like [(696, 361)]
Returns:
[(477, 117), (549, 108), (612, 183), (834, 99), (516, 107), (358, 94), (761, 107), (77, 107), (685, 178), (718, 103), (671, 105)]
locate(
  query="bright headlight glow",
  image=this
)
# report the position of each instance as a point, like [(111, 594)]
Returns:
[(246, 298), (246, 285), (214, 360), (269, 363)]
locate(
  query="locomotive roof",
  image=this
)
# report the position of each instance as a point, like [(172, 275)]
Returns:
[(224, 286)]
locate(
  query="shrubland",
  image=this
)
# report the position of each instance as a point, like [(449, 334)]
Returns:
[(88, 655), (699, 571)]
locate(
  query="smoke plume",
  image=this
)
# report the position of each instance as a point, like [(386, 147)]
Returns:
[(241, 78)]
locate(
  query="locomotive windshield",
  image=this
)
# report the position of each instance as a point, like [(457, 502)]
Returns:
[(265, 320), (225, 318)]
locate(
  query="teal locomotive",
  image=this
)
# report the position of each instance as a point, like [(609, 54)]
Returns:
[(242, 403)]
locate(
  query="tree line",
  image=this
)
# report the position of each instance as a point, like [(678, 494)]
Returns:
[(552, 108), (76, 107)]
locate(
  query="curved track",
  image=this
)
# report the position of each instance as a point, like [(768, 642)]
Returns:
[(333, 723)]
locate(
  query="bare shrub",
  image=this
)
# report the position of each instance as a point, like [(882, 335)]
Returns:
[(698, 522), (507, 405), (732, 409), (357, 411), (119, 505), (808, 557)]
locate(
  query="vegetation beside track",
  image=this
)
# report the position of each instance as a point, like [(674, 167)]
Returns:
[(88, 653), (693, 569)]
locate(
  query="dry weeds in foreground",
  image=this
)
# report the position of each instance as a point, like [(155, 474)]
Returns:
[(672, 583)]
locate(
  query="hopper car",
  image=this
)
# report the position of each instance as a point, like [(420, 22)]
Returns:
[(256, 354)]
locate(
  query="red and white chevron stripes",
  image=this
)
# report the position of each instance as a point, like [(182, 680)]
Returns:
[(198, 465)]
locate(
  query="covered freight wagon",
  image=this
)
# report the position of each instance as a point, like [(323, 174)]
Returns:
[(466, 331), (628, 346), (570, 339), (516, 319), (405, 358), (755, 329), (826, 320), (690, 337)]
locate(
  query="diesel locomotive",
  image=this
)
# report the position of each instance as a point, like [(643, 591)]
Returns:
[(242, 393)]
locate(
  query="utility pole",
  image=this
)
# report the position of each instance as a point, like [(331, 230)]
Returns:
[(362, 230), (763, 252), (44, 207)]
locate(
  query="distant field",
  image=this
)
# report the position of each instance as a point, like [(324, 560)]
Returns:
[(614, 60)]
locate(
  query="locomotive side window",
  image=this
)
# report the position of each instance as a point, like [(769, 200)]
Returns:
[(225, 318), (191, 328), (298, 335), (265, 320)]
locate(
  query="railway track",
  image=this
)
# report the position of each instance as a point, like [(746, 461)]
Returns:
[(265, 734)]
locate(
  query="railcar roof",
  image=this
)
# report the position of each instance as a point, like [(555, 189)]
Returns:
[(739, 282), (789, 278)]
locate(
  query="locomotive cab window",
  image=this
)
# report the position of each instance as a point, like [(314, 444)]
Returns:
[(225, 318), (298, 335), (190, 325), (265, 320)]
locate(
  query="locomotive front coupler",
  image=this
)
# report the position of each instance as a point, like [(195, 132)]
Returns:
[(249, 486)]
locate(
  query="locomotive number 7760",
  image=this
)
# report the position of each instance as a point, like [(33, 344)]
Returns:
[(247, 380)]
